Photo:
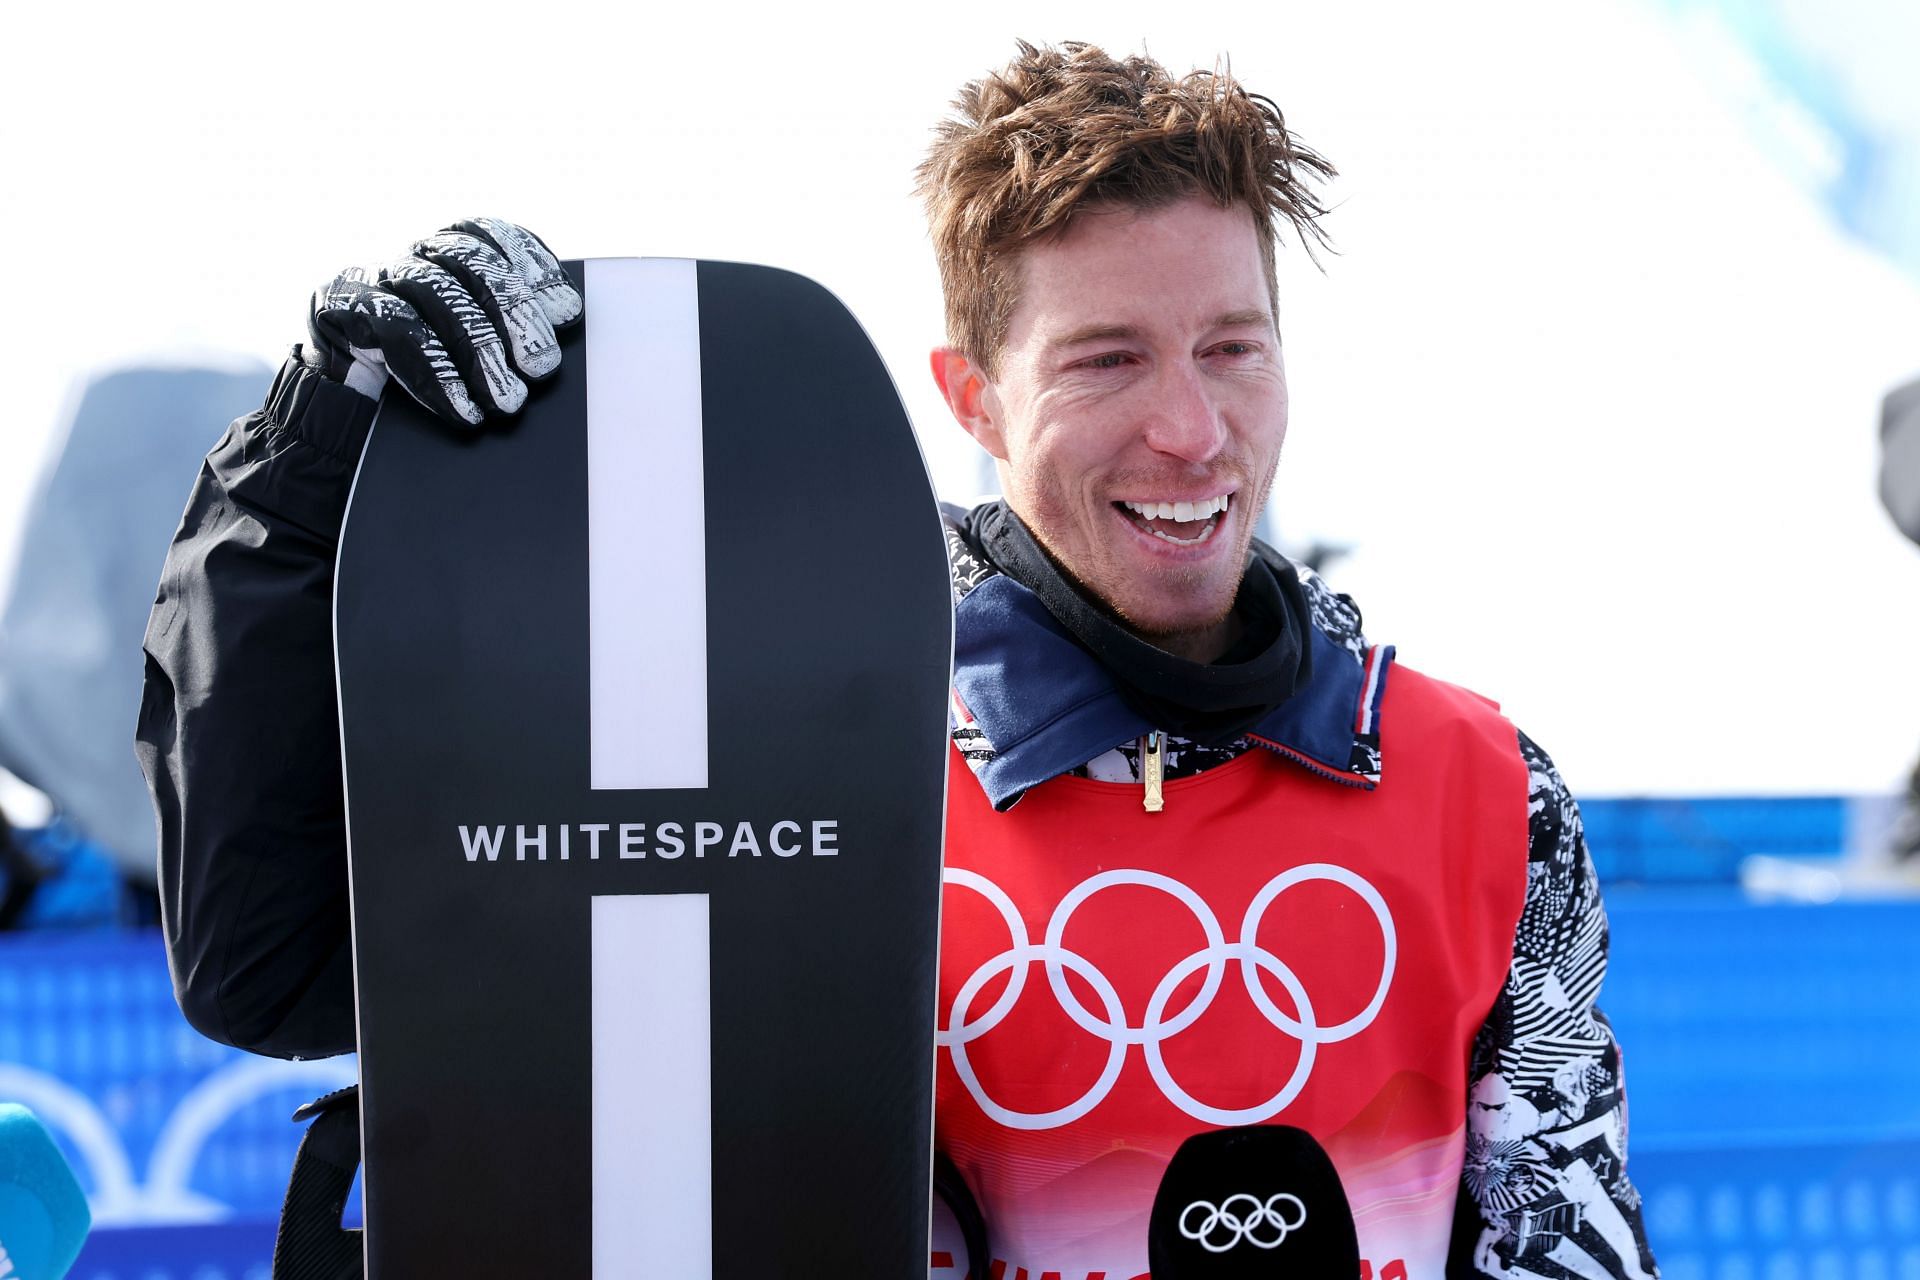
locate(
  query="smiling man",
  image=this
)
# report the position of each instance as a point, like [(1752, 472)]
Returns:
[(1268, 876), (1212, 858), (1137, 410)]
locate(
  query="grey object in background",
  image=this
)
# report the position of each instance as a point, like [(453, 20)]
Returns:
[(1900, 457), (1900, 491), (89, 556)]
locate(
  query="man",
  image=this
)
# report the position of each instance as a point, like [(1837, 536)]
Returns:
[(1267, 876)]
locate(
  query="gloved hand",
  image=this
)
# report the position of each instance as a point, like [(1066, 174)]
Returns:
[(458, 322)]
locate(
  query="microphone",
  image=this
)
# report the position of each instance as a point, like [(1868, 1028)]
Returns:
[(1256, 1203), (43, 1213)]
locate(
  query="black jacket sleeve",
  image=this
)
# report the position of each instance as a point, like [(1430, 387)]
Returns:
[(239, 733)]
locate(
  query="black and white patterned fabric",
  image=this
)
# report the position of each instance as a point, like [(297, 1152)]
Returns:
[(458, 323), (502, 293), (1547, 1120), (529, 258), (1544, 1192)]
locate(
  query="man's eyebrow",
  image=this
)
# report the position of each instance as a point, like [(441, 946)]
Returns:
[(1110, 332), (1238, 319), (1104, 332)]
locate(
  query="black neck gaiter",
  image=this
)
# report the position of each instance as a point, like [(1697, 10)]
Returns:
[(1211, 703)]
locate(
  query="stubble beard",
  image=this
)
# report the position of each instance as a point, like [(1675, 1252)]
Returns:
[(1211, 633)]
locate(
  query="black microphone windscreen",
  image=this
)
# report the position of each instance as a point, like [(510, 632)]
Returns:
[(1262, 1201)]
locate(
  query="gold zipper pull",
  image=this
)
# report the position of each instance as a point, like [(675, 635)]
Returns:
[(1150, 772)]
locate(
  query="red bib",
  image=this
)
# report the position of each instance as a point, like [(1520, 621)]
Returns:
[(1270, 947)]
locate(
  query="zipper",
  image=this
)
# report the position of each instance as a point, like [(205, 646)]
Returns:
[(1151, 772), (1313, 766)]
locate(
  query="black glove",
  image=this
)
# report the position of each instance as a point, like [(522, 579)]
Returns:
[(458, 322)]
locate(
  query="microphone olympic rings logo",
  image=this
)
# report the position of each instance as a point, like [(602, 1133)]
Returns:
[(961, 1027), (1243, 1225)]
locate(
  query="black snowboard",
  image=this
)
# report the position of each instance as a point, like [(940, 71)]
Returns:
[(643, 703)]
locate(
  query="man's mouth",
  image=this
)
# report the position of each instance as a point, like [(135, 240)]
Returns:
[(1185, 524)]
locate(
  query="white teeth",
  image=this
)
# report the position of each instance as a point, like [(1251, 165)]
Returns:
[(1184, 512)]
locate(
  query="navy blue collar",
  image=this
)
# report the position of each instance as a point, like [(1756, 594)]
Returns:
[(1047, 706)]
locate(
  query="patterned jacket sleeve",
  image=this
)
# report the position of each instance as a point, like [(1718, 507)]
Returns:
[(1544, 1191)]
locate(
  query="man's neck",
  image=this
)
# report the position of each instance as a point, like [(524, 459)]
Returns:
[(1206, 644)]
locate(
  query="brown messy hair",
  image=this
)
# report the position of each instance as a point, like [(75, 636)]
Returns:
[(1062, 129)]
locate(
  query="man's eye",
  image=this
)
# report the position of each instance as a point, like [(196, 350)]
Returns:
[(1235, 348), (1111, 360)]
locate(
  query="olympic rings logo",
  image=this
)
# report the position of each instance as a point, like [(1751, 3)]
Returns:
[(1243, 1225), (961, 1028)]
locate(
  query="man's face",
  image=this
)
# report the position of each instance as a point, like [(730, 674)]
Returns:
[(1139, 410)]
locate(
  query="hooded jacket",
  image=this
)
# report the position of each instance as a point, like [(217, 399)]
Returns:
[(1401, 869)]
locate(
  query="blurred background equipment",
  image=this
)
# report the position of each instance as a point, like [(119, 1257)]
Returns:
[(1900, 491), (1900, 457), (43, 1213), (53, 878), (89, 555)]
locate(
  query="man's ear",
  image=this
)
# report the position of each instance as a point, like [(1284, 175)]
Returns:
[(970, 397)]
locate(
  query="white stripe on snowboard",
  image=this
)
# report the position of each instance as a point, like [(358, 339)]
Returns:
[(646, 526), (652, 1087)]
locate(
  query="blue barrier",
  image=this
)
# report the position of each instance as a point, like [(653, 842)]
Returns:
[(1773, 1024), (1773, 1072), (1773, 1058), (160, 1124), (1703, 840), (1803, 1212), (237, 1250)]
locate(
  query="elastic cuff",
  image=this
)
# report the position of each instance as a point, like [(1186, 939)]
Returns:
[(319, 411)]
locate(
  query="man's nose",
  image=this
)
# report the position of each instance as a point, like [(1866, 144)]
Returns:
[(1184, 419)]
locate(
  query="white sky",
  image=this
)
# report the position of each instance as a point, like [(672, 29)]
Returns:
[(1591, 387)]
